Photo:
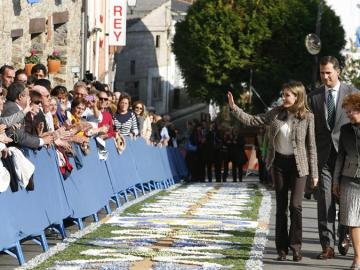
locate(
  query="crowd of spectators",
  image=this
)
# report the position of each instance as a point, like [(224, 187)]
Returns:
[(210, 145), (35, 113)]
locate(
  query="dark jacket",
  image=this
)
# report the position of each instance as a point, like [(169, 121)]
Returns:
[(324, 136), (348, 158)]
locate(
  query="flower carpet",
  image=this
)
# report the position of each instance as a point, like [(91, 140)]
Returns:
[(200, 226)]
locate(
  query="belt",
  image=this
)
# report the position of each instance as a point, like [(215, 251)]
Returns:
[(277, 154)]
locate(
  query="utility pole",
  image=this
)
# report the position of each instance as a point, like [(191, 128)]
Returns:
[(317, 32)]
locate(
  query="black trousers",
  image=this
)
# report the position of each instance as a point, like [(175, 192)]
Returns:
[(286, 178)]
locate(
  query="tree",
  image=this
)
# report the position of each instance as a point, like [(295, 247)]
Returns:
[(220, 41)]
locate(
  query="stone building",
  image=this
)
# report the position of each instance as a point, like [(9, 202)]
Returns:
[(143, 67), (146, 67), (43, 25)]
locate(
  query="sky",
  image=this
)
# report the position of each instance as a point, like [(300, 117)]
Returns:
[(349, 13)]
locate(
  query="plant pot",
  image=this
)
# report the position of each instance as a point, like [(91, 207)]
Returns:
[(54, 66), (28, 68)]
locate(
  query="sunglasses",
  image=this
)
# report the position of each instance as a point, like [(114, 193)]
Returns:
[(103, 99), (1, 94), (36, 102), (140, 108)]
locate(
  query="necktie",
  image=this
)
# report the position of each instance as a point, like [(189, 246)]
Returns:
[(331, 109)]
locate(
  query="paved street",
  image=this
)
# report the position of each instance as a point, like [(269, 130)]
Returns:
[(311, 245)]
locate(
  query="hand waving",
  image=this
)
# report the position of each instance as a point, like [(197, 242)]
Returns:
[(230, 100)]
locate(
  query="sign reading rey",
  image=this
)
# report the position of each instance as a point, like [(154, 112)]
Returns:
[(117, 22)]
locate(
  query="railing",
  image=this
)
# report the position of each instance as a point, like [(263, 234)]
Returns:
[(26, 214)]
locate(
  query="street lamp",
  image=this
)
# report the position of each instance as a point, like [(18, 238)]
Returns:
[(131, 5), (313, 43)]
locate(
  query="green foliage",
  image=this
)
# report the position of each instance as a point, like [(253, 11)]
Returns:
[(254, 205), (136, 208), (55, 55), (33, 58), (220, 41)]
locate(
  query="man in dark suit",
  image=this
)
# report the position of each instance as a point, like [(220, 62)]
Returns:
[(325, 102), (17, 99)]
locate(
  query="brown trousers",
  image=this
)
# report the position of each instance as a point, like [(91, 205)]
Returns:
[(285, 177)]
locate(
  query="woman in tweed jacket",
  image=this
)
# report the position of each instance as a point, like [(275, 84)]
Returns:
[(291, 156)]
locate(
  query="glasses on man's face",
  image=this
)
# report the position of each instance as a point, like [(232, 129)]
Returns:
[(103, 99), (36, 102)]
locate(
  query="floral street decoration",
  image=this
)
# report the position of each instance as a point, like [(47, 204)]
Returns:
[(175, 232)]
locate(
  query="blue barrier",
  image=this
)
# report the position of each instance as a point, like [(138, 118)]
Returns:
[(26, 214)]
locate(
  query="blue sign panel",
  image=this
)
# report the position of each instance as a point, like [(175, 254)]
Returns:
[(33, 1)]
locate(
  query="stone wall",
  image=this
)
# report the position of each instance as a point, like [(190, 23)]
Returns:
[(61, 32)]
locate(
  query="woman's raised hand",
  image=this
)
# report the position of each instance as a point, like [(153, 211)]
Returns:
[(231, 100)]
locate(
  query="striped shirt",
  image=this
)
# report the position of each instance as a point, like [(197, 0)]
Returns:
[(126, 124)]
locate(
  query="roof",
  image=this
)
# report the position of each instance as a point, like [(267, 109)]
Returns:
[(144, 7), (180, 6)]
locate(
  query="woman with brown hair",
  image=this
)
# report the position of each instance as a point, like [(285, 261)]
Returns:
[(143, 120), (292, 156), (347, 173), (125, 120)]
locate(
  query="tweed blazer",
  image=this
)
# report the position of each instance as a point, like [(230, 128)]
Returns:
[(302, 137), (348, 158)]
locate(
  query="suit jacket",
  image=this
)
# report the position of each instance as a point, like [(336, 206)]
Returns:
[(325, 137), (19, 135), (32, 122), (302, 137), (348, 158), (12, 119)]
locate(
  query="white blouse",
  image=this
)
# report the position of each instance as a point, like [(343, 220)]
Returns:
[(283, 143)]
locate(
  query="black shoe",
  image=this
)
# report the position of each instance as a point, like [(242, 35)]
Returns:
[(281, 256), (307, 195), (344, 244), (297, 256)]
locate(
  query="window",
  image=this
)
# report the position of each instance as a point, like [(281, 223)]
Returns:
[(132, 88), (132, 67), (156, 88), (157, 41)]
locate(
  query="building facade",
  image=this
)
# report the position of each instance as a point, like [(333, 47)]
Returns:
[(143, 65), (45, 26), (146, 67)]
